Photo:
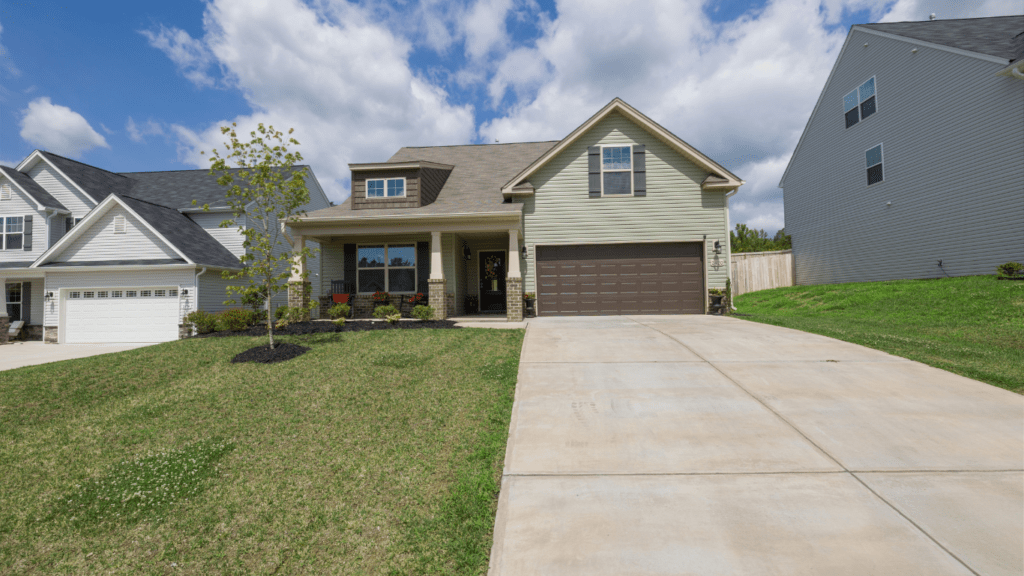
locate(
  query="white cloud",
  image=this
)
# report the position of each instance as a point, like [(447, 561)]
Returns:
[(339, 78), (6, 62), (191, 56), (58, 129), (138, 133), (484, 27), (908, 10)]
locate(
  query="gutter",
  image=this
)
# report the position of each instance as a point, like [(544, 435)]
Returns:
[(510, 215)]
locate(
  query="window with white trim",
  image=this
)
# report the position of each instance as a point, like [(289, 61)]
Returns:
[(130, 293), (860, 103), (74, 294), (160, 293), (102, 294), (13, 232), (5, 191), (115, 293), (120, 226), (385, 188), (617, 170), (874, 161), (14, 301), (173, 292), (89, 294), (388, 268), (145, 293)]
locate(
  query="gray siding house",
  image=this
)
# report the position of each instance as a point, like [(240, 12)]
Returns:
[(619, 217), (88, 255), (912, 162)]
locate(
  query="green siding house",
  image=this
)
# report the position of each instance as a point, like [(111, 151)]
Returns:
[(619, 217)]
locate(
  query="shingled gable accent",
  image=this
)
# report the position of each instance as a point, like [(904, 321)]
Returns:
[(513, 188)]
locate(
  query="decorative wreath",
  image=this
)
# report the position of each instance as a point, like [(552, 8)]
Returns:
[(491, 267)]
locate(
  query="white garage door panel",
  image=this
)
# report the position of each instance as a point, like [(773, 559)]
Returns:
[(120, 319)]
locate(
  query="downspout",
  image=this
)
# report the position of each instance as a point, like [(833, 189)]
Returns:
[(728, 239), (201, 272)]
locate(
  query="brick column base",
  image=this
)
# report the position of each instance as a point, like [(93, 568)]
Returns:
[(5, 324), (514, 299), (298, 297), (438, 299), (50, 334)]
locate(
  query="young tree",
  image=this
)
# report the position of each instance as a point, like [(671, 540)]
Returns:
[(264, 186)]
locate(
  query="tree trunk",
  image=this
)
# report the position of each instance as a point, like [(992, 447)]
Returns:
[(270, 322)]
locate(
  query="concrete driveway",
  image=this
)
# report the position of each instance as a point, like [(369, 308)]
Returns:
[(18, 354), (713, 446)]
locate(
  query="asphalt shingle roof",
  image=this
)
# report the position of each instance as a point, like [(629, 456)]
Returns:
[(96, 182), (997, 36), (178, 188), (473, 186), (29, 185), (183, 233)]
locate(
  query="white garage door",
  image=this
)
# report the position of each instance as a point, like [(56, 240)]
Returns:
[(120, 315)]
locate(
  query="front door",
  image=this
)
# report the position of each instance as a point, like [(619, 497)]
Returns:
[(492, 281)]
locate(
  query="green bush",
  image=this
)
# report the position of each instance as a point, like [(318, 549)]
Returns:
[(340, 321), (200, 321), (423, 313), (280, 312), (338, 311), (234, 319), (290, 315), (393, 318), (385, 311), (1010, 270)]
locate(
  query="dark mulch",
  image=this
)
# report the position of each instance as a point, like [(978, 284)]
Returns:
[(280, 353), (301, 328)]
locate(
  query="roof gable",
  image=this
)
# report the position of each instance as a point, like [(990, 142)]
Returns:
[(634, 115), (996, 36), (29, 187)]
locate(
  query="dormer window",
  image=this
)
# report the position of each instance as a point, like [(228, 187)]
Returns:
[(385, 188), (120, 227)]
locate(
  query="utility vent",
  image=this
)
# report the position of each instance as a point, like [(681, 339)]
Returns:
[(5, 192), (119, 225)]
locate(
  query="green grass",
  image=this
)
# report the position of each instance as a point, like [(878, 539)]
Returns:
[(972, 325), (374, 453)]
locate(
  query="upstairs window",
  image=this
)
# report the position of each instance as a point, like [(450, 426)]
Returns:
[(874, 160), (617, 170), (860, 103), (13, 232), (385, 188)]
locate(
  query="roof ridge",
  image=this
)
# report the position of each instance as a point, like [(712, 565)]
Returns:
[(144, 201), (481, 144), (941, 20), (126, 174), (83, 163)]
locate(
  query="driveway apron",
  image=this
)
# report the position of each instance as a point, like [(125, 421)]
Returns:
[(713, 446)]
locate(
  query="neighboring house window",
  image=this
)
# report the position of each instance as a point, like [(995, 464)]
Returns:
[(860, 103), (5, 192), (13, 232), (617, 170), (14, 301), (120, 227), (390, 188), (874, 159), (390, 268), (129, 294)]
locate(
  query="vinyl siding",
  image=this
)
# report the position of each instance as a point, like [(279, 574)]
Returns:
[(674, 209), (100, 243), (952, 146), (20, 205), (332, 260), (213, 291), (231, 238), (55, 281), (56, 229), (61, 188)]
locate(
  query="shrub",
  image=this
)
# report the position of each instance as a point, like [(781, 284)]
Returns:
[(385, 311), (200, 321), (234, 319), (393, 318), (1010, 270), (340, 321), (290, 315), (423, 313), (716, 292), (280, 312), (254, 297), (338, 311), (529, 296)]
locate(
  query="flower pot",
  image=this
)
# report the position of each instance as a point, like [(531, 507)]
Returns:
[(530, 310)]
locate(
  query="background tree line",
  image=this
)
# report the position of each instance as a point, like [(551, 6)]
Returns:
[(750, 240)]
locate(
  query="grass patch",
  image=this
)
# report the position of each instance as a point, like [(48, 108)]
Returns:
[(373, 453), (970, 325)]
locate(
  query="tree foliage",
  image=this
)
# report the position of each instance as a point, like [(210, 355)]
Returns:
[(746, 239), (263, 186)]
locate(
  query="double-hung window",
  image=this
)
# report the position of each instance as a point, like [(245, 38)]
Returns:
[(874, 160), (13, 232), (617, 170), (385, 188), (860, 103), (387, 268)]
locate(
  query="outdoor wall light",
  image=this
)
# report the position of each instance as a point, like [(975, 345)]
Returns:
[(466, 252), (184, 292), (718, 247), (48, 296), (523, 251)]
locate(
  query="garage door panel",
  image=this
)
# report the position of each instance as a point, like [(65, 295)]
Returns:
[(124, 319), (620, 279)]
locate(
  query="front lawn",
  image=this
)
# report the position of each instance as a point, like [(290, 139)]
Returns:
[(373, 453), (971, 325)]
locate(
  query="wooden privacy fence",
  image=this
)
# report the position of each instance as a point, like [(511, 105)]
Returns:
[(753, 271)]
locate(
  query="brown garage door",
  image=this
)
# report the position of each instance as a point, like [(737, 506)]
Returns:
[(620, 279)]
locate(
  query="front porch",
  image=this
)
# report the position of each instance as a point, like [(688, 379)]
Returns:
[(473, 269)]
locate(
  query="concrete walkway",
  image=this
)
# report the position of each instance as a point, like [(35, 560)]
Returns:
[(18, 354), (713, 446)]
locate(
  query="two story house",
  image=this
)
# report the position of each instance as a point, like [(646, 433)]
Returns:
[(88, 255), (912, 162), (619, 217)]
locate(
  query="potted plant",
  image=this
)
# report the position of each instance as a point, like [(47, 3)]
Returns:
[(412, 301), (381, 298), (716, 295), (529, 299)]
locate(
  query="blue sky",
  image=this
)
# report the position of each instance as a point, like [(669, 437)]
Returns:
[(132, 86)]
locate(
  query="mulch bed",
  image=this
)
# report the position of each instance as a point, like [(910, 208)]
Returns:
[(301, 328), (264, 354)]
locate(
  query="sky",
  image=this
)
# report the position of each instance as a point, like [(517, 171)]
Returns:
[(136, 86)]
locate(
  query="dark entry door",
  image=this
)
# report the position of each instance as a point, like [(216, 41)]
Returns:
[(492, 281)]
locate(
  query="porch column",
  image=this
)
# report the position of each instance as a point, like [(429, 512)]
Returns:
[(514, 281), (299, 288), (5, 321), (436, 282)]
